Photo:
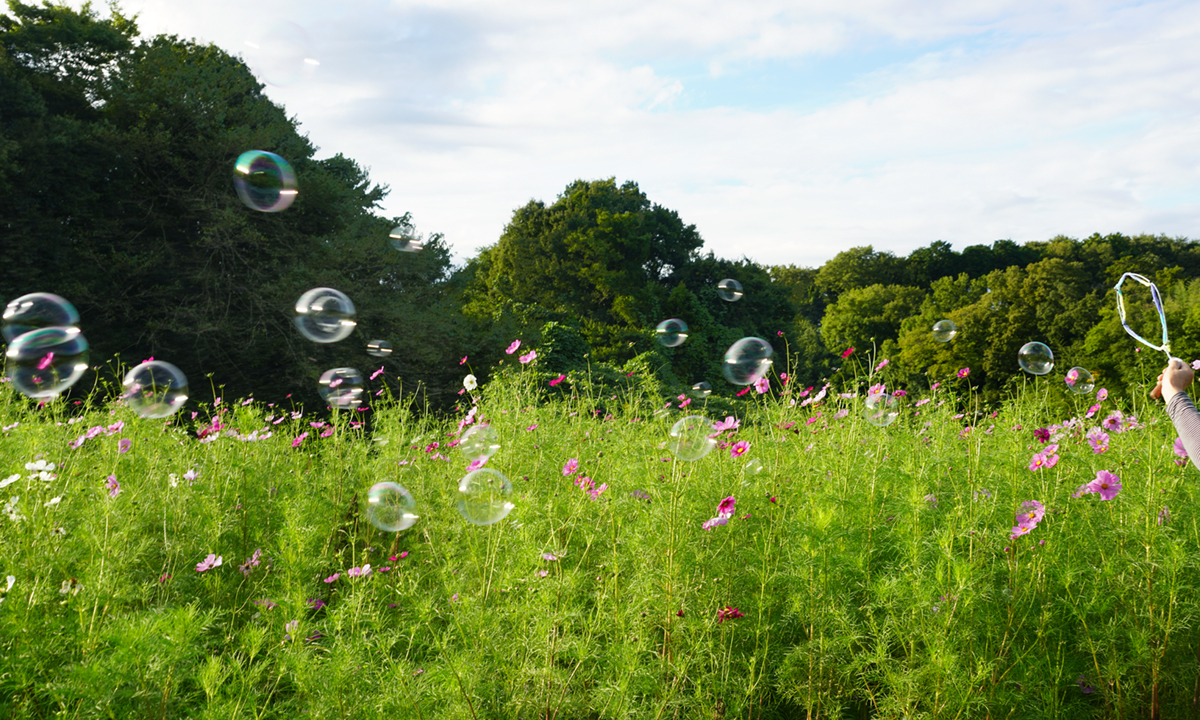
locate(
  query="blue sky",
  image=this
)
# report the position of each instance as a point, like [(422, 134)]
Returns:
[(786, 131)]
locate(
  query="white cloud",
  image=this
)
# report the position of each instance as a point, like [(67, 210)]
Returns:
[(1004, 119)]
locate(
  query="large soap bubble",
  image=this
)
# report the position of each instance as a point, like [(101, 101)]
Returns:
[(264, 181), (390, 507), (35, 311), (405, 239), (701, 390), (480, 442), (881, 409), (944, 330), (729, 290), (747, 360), (1079, 381), (155, 389), (671, 333), (379, 348), (1035, 358), (43, 363), (483, 497), (325, 315), (341, 387), (690, 438)]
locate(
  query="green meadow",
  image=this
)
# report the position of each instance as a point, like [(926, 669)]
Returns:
[(863, 572)]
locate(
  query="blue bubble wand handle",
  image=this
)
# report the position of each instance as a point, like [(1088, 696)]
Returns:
[(1165, 347)]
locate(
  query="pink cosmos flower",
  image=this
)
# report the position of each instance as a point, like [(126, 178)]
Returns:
[(477, 463), (1114, 422), (742, 392), (123, 445), (847, 352), (1102, 394), (1042, 434), (1179, 449), (841, 413), (1092, 411), (882, 364), (528, 357), (739, 448), (46, 361), (531, 428), (876, 390), (571, 466), (513, 348), (728, 613), (729, 423), (209, 563), (1098, 439), (685, 403), (1020, 530), (1106, 484), (463, 361), (557, 380), (726, 506), (1031, 513), (377, 373), (595, 493), (964, 372), (762, 385), (1038, 461), (713, 522), (114, 487), (299, 439), (333, 577), (899, 393), (316, 603), (549, 557)]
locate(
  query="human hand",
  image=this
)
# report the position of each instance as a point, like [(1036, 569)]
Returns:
[(1175, 378)]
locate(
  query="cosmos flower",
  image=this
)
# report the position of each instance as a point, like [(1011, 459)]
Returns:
[(513, 347), (213, 560), (1106, 484), (964, 372), (570, 467), (739, 448), (528, 357), (469, 383)]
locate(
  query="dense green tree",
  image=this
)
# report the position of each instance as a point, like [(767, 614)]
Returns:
[(855, 268), (118, 195), (869, 316)]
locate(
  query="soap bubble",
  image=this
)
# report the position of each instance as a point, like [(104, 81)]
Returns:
[(282, 55), (1035, 358), (729, 290), (390, 507), (701, 390), (747, 360), (881, 409), (662, 414), (690, 438), (324, 315), (944, 330), (35, 311), (483, 497), (754, 466), (43, 363), (1079, 381), (379, 348), (155, 389), (341, 387), (405, 239), (671, 333), (264, 181), (480, 442)]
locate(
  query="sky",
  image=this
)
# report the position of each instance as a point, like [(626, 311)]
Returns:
[(787, 131)]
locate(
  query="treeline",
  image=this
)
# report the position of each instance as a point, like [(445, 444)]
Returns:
[(115, 192)]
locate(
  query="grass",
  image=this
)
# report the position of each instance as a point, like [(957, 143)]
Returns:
[(872, 567)]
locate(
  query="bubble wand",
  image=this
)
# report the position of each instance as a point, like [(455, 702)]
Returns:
[(1165, 347)]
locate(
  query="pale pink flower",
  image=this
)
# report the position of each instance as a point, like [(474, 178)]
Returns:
[(209, 563), (1102, 394), (513, 347), (882, 364), (114, 487), (1098, 439), (1106, 484), (762, 385), (528, 357)]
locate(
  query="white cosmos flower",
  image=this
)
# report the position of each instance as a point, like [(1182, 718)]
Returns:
[(469, 382), (10, 480), (52, 501)]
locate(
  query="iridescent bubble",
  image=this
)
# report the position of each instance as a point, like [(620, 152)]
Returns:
[(379, 348), (1079, 381), (747, 360), (341, 387), (689, 438), (701, 390), (1035, 358), (881, 409), (754, 466), (155, 389), (729, 290), (662, 414), (390, 507), (282, 55), (43, 363), (405, 239), (944, 330), (264, 181), (35, 311), (483, 497), (479, 442), (324, 315), (671, 333)]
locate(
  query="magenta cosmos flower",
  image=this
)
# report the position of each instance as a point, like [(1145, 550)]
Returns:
[(571, 466), (964, 372), (739, 448), (1106, 484), (1031, 513)]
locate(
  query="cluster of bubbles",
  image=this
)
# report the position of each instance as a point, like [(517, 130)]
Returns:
[(484, 494)]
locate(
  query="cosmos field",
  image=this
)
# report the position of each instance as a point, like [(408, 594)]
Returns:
[(812, 558)]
